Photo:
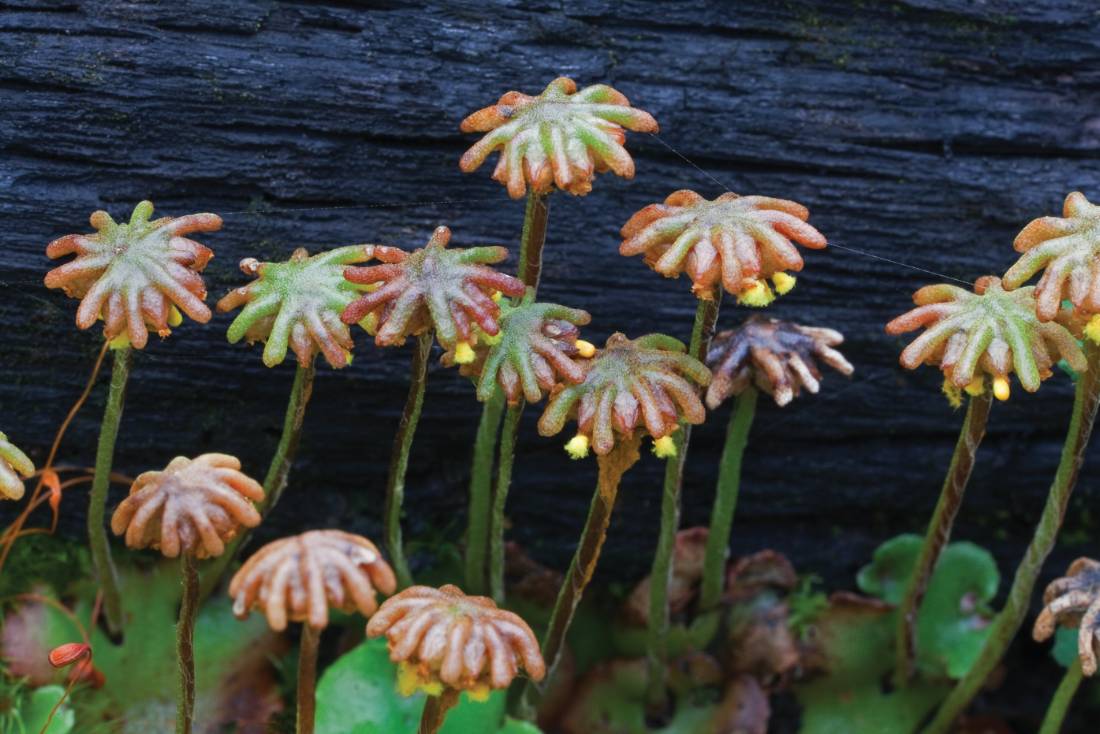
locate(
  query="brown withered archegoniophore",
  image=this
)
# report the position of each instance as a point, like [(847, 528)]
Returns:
[(1074, 601), (191, 507), (777, 357), (1067, 249), (538, 346), (135, 275), (989, 331), (15, 466), (561, 137), (448, 290), (737, 242), (297, 304), (298, 579), (648, 382), (442, 638)]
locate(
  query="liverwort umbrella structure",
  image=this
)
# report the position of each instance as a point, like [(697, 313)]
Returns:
[(448, 292), (133, 275), (188, 510)]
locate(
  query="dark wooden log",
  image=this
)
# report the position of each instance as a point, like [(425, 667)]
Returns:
[(922, 134)]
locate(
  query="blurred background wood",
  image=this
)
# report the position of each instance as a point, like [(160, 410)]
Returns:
[(923, 132)]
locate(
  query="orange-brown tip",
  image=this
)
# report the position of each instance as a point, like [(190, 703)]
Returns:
[(68, 653)]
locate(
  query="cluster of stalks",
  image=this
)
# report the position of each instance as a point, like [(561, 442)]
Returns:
[(978, 339), (740, 245), (146, 274)]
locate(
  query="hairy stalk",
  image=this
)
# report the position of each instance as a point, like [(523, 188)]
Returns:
[(435, 711), (97, 506), (399, 460), (307, 678), (938, 533), (725, 499), (706, 314), (532, 239), (500, 498), (612, 467), (1008, 622), (1059, 705), (529, 270), (185, 644), (481, 490), (278, 470)]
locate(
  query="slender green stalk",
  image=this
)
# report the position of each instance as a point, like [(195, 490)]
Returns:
[(532, 239), (1059, 705), (278, 470), (660, 577), (399, 460), (611, 470), (1008, 622), (307, 678), (185, 644), (938, 533), (97, 506), (725, 499), (435, 711), (500, 498), (481, 490)]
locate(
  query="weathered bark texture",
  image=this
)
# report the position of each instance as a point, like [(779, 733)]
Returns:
[(920, 131)]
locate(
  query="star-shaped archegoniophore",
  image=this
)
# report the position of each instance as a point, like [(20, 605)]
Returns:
[(300, 577), (1074, 601), (449, 290), (135, 275), (739, 241), (778, 357), (15, 466), (537, 347), (648, 381), (1068, 248), (444, 638), (990, 331), (561, 137), (297, 304), (192, 506)]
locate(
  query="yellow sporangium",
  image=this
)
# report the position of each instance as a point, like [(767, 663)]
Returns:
[(464, 354), (577, 447), (952, 393), (479, 693), (412, 678), (664, 447), (975, 387), (1000, 387), (783, 283), (1092, 329), (585, 349), (758, 295)]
